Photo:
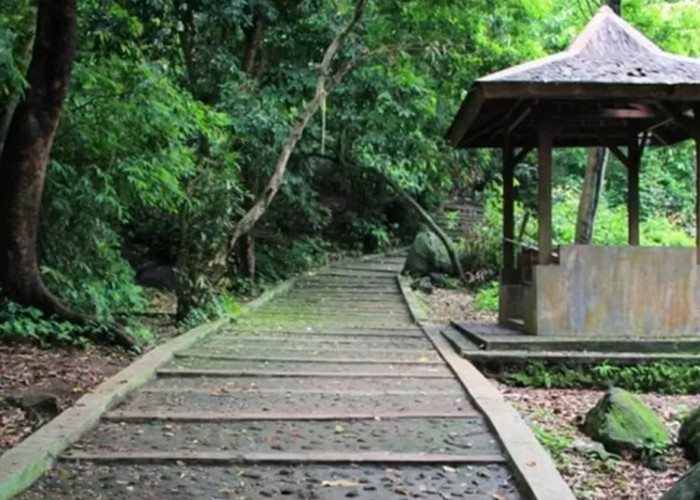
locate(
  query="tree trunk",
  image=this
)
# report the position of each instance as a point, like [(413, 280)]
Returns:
[(253, 37), (25, 156), (323, 89), (246, 244), (23, 51), (595, 176), (590, 194)]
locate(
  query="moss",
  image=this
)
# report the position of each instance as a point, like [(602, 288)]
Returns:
[(622, 422), (689, 435), (427, 254)]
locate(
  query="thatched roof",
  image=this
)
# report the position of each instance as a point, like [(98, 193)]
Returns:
[(611, 77)]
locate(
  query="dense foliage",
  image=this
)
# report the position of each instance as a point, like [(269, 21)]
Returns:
[(178, 110)]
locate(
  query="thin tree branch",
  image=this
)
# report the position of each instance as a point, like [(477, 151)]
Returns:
[(246, 223)]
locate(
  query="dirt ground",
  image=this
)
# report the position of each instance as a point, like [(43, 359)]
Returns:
[(455, 305), (65, 373), (56, 376), (554, 415)]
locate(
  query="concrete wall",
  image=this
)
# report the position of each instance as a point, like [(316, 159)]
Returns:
[(616, 291)]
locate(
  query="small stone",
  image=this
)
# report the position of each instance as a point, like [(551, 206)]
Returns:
[(352, 494)]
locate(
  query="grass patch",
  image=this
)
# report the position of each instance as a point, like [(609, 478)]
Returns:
[(664, 378)]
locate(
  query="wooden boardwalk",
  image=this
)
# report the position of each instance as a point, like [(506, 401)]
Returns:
[(329, 391)]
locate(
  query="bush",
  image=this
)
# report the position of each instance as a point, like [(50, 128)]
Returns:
[(481, 252), (664, 378), (486, 298)]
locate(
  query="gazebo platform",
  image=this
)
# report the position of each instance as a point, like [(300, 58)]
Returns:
[(493, 343)]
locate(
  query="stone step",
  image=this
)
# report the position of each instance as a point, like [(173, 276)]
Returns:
[(459, 436), (308, 403), (341, 355), (301, 366), (332, 385), (261, 482)]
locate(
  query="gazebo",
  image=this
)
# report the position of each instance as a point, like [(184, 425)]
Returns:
[(613, 88)]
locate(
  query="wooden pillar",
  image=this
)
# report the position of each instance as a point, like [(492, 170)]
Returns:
[(545, 139), (635, 160), (697, 186), (508, 207)]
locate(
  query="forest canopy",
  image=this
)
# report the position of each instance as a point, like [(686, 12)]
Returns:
[(178, 110)]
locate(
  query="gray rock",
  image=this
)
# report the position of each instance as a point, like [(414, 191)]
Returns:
[(687, 487), (689, 435), (425, 285), (158, 276), (427, 255)]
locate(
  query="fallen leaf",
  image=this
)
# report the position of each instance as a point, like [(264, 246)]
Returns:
[(341, 483)]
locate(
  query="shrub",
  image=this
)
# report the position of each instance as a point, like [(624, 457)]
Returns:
[(487, 297)]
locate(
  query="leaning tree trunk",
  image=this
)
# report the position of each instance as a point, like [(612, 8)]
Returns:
[(594, 179), (326, 82), (590, 194), (25, 156), (434, 227)]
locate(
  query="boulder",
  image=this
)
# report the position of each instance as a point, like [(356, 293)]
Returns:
[(160, 276), (689, 435), (687, 487), (425, 285), (623, 423), (427, 255)]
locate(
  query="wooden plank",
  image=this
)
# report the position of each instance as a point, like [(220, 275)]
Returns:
[(247, 390), (240, 345), (332, 457), (187, 372), (315, 343), (387, 270), (545, 135), (508, 206), (174, 416), (633, 167), (696, 111), (373, 331), (338, 361)]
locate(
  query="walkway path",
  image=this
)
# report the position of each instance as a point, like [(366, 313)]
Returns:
[(330, 391)]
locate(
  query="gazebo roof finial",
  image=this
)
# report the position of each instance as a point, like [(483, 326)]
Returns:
[(610, 81), (608, 50)]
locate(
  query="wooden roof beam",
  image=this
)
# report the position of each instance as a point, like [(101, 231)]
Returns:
[(688, 124)]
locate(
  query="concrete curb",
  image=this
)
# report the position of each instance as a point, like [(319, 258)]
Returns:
[(25, 463), (417, 312), (531, 465)]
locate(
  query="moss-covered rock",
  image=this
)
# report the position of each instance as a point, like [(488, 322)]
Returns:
[(689, 435), (427, 255), (687, 487), (622, 422)]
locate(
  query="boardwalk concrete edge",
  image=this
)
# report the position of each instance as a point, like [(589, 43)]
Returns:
[(531, 465), (417, 312), (23, 464)]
